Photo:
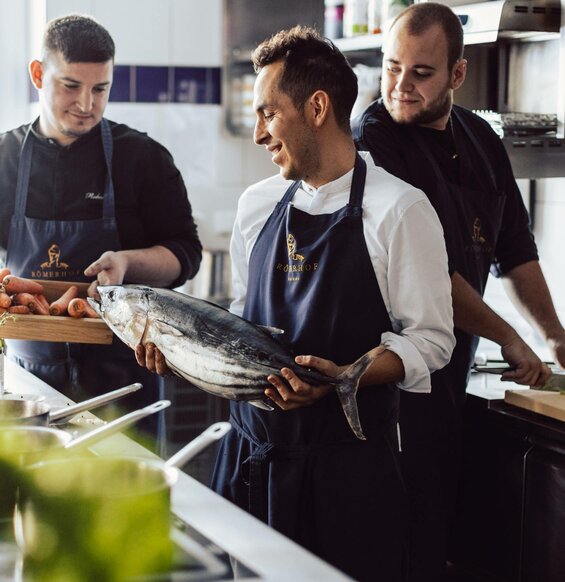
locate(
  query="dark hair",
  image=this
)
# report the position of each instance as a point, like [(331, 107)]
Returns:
[(79, 39), (311, 63), (424, 15)]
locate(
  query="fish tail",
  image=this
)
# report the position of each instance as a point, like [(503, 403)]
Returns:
[(348, 383)]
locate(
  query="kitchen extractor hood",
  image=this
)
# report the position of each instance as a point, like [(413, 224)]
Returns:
[(486, 22)]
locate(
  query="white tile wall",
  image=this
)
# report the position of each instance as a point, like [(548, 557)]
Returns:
[(196, 30), (140, 29), (13, 71)]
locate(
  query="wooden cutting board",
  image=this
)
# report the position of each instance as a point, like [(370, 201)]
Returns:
[(57, 329), (550, 404)]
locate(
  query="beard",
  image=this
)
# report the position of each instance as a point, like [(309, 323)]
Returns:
[(437, 109)]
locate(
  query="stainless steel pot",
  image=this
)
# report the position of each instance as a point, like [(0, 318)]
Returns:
[(65, 517), (36, 413), (21, 446)]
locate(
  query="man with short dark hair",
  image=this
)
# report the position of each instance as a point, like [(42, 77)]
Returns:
[(416, 133), (109, 199), (329, 251)]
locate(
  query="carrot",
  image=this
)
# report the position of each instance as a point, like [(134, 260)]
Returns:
[(13, 284), (39, 308), (41, 299), (20, 309), (5, 300), (3, 272), (89, 311), (59, 306), (25, 299), (77, 307)]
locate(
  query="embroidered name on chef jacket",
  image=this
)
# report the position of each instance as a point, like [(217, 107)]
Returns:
[(93, 196), (297, 264)]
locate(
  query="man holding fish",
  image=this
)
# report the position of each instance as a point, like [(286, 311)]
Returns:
[(331, 251), (87, 199)]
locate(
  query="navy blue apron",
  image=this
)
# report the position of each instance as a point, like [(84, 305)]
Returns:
[(61, 250), (303, 471), (431, 424)]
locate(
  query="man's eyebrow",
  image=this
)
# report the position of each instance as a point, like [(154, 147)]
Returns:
[(261, 107), (416, 66), (76, 82)]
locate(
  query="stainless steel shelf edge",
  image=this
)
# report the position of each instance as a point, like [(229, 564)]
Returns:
[(486, 22), (536, 157)]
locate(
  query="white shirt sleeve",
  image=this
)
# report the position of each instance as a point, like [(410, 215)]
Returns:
[(239, 270), (419, 296)]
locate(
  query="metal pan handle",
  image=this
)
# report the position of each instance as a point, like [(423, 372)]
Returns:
[(117, 425), (92, 403), (213, 433)]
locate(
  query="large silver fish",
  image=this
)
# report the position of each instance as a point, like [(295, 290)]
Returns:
[(214, 349)]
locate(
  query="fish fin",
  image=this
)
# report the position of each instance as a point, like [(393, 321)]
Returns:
[(166, 328), (271, 330), (261, 404), (347, 392)]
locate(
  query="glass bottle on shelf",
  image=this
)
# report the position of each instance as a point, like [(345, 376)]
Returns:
[(333, 19), (374, 16), (355, 18)]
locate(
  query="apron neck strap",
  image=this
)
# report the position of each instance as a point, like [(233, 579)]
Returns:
[(357, 184), (24, 170), (477, 145)]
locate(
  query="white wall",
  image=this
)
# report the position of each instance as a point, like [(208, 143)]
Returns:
[(15, 37)]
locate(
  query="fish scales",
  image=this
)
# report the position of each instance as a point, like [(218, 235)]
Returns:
[(212, 348)]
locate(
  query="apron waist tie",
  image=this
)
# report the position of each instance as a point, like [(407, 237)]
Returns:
[(258, 461), (258, 465)]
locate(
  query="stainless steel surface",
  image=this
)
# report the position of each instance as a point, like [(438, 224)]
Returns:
[(486, 22), (536, 157), (117, 425)]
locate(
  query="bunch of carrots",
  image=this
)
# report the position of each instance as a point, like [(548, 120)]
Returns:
[(24, 296)]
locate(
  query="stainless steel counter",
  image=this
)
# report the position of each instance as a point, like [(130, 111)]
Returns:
[(269, 554)]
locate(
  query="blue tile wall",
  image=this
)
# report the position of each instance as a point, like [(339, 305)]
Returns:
[(121, 84), (141, 84), (152, 85), (199, 85)]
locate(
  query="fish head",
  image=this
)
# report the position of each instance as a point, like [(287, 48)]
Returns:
[(125, 309)]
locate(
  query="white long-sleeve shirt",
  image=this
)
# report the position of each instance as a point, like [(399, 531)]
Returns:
[(405, 242)]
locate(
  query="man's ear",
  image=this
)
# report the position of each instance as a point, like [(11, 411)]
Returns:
[(458, 74), (319, 105), (36, 73)]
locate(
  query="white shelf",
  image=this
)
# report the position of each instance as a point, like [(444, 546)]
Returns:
[(359, 43)]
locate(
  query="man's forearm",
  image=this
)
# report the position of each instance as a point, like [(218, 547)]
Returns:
[(386, 368), (528, 290), (472, 315), (156, 266)]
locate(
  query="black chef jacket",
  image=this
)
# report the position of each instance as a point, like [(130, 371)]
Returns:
[(393, 147), (67, 182)]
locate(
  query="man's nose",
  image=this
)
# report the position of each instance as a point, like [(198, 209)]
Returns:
[(260, 134), (85, 100), (404, 83)]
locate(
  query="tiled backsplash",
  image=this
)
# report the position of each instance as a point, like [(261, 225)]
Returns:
[(142, 84)]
